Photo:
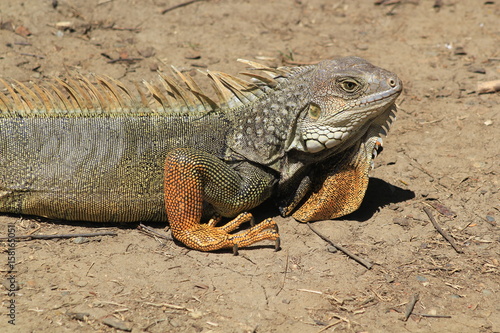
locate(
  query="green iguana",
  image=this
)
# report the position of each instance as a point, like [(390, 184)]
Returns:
[(91, 151)]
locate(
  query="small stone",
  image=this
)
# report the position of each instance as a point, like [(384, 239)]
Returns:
[(78, 315), (154, 67), (196, 314), (402, 221), (9, 26), (478, 70), (80, 240), (175, 322), (330, 248), (487, 292), (193, 55), (118, 324), (393, 206), (459, 50), (22, 31), (147, 52), (389, 278)]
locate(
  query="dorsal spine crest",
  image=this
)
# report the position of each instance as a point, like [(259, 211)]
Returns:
[(77, 95)]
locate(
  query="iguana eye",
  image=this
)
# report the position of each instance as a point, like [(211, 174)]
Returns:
[(314, 111), (349, 85)]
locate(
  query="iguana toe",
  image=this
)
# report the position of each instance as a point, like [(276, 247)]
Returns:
[(207, 237)]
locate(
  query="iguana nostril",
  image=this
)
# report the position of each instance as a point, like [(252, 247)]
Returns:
[(392, 82)]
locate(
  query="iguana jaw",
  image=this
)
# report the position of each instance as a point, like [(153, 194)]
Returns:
[(319, 138)]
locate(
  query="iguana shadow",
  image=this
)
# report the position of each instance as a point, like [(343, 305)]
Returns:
[(378, 194)]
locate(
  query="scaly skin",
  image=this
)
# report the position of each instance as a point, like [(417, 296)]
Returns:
[(93, 152)]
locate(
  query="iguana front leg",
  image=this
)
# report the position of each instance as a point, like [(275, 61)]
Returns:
[(341, 189), (193, 177)]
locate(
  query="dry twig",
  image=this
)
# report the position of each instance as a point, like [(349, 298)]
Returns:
[(410, 306), (179, 6), (330, 325), (284, 276), (431, 315), (360, 260), (30, 237), (441, 231), (488, 87), (151, 232)]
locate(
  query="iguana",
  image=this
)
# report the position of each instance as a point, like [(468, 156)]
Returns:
[(90, 150)]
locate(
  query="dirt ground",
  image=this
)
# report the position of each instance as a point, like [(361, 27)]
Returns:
[(442, 153)]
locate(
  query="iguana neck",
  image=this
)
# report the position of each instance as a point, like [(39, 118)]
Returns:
[(264, 129)]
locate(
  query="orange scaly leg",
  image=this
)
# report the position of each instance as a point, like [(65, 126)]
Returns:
[(341, 190), (193, 177)]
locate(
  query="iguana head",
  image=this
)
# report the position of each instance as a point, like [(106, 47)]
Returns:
[(347, 95)]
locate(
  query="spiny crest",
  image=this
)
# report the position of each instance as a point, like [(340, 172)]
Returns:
[(382, 124), (104, 96)]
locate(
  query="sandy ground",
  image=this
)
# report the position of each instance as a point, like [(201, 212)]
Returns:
[(442, 153)]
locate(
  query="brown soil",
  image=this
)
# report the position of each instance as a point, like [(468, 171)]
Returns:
[(442, 152)]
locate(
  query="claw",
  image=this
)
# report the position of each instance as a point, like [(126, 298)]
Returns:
[(277, 244), (235, 249), (377, 149), (216, 218)]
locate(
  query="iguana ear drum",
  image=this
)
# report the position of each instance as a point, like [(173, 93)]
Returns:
[(314, 111)]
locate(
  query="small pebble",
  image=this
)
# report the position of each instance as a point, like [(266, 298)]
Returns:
[(118, 324), (388, 278), (175, 322), (459, 50), (80, 240), (78, 315), (478, 70), (421, 278), (331, 249), (402, 221), (196, 314)]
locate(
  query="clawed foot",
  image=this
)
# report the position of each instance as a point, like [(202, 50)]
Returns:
[(208, 237)]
